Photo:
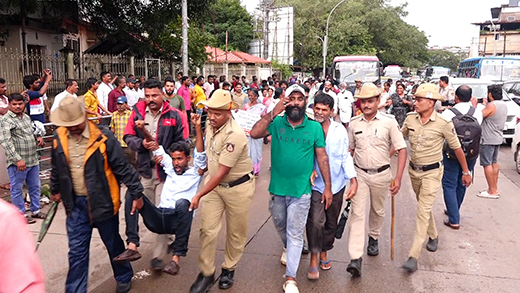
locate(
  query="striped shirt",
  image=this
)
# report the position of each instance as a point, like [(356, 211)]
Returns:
[(118, 124), (17, 138)]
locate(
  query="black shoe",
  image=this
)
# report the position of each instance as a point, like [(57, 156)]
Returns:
[(410, 265), (226, 279), (432, 244), (202, 284), (305, 248), (157, 264), (373, 247), (354, 267), (123, 287)]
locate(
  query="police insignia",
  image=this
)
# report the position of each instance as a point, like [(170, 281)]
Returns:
[(230, 147)]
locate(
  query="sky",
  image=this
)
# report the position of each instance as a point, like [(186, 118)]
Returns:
[(445, 22)]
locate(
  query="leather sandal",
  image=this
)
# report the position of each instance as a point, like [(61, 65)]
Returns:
[(452, 226), (172, 268)]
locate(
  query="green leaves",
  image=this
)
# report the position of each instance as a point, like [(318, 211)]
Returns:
[(357, 27)]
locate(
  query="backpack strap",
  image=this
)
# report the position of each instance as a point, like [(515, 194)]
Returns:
[(471, 111), (455, 111)]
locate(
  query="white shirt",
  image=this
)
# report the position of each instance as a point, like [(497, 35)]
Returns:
[(102, 94), (345, 100), (184, 186), (335, 97), (131, 96), (60, 97), (463, 108), (208, 88)]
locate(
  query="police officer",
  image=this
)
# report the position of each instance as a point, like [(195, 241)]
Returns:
[(229, 187), (427, 132), (371, 136)]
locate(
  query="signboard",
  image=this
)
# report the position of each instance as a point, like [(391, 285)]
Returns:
[(245, 119)]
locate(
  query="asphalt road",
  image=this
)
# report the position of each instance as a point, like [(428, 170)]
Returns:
[(481, 256)]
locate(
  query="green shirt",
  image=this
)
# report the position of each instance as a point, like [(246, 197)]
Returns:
[(292, 155), (178, 103)]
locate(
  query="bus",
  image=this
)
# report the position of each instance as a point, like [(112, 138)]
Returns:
[(494, 68), (349, 68), (435, 72)]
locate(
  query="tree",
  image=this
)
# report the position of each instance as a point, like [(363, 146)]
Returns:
[(357, 27), (444, 59), (230, 16)]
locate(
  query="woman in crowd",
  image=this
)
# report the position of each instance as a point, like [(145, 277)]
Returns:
[(255, 145), (401, 104)]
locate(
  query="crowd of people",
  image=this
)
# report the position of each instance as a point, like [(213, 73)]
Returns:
[(329, 143)]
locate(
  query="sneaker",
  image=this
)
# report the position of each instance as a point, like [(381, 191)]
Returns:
[(30, 220), (290, 287), (485, 194), (283, 259)]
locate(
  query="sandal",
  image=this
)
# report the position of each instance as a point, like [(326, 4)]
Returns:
[(313, 273), (172, 268), (325, 265), (486, 194), (39, 215)]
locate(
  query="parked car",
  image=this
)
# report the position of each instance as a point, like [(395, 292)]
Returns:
[(512, 88), (479, 87)]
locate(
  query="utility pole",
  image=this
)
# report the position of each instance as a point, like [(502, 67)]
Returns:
[(326, 38), (185, 67)]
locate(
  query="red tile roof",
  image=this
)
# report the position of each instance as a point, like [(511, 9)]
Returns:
[(217, 55)]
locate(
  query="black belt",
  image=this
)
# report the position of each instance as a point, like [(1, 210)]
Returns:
[(424, 168), (374, 171), (239, 181)]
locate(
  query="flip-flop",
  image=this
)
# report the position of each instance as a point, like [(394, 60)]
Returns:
[(325, 265), (313, 273)]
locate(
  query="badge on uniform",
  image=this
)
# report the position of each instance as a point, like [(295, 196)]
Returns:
[(230, 147)]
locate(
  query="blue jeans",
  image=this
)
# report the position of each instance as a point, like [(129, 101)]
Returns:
[(453, 188), (31, 176), (79, 232), (289, 217)]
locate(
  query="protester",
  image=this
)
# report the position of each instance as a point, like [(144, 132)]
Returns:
[(165, 123), (345, 100), (197, 96), (118, 125), (20, 144), (297, 140), (175, 100), (229, 188), (322, 223), (71, 88), (36, 89), (117, 92), (92, 105), (209, 86), (239, 97), (453, 189), (20, 268), (425, 168), (4, 100), (88, 167), (402, 104), (130, 92), (495, 115), (255, 145), (105, 87), (185, 92), (172, 216), (371, 136)]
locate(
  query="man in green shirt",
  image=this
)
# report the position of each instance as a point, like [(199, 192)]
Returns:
[(296, 141), (175, 100)]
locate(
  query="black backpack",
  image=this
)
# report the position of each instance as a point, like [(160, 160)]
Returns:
[(468, 131)]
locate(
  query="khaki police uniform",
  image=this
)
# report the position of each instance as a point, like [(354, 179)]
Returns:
[(371, 142), (226, 146), (427, 140)]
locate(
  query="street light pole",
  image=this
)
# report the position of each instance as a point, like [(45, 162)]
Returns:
[(326, 38), (185, 67)]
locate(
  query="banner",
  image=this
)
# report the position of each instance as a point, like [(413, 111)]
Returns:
[(245, 119)]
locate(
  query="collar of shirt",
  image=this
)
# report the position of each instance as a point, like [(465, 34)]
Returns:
[(85, 133), (378, 117), (432, 118), (286, 120), (228, 123), (147, 110)]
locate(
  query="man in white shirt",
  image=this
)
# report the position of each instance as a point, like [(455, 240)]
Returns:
[(172, 215), (71, 89), (130, 93), (453, 188), (105, 87), (328, 89), (209, 86), (345, 101)]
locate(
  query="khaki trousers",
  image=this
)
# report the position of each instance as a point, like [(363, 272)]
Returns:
[(375, 187), (152, 190), (426, 185), (235, 202)]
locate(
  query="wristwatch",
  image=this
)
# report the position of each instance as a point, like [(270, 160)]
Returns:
[(466, 173)]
